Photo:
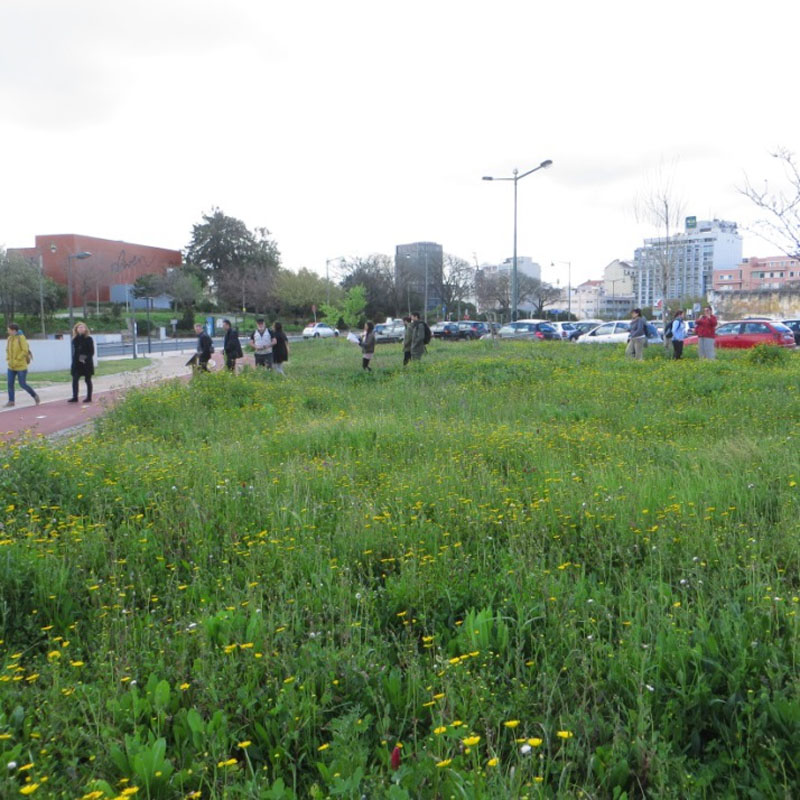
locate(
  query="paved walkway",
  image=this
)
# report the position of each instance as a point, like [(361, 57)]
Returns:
[(55, 414)]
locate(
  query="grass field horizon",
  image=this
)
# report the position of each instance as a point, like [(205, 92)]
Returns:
[(514, 570)]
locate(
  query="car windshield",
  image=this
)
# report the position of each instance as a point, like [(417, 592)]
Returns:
[(603, 330)]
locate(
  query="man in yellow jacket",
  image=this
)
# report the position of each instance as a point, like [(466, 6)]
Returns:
[(18, 356)]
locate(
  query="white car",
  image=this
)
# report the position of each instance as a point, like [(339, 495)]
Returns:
[(393, 331), (319, 330), (616, 331)]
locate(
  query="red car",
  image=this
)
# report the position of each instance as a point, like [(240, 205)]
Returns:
[(748, 333)]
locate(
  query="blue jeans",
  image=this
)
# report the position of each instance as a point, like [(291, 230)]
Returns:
[(13, 374)]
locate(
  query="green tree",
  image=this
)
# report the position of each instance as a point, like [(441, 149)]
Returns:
[(297, 292), (375, 274), (20, 285), (354, 307)]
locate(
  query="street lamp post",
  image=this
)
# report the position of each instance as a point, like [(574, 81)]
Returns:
[(569, 284), (516, 177), (327, 276), (83, 254), (425, 314)]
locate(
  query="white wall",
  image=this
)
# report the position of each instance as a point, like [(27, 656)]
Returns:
[(48, 355)]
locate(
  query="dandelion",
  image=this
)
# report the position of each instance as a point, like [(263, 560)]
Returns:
[(471, 741), (512, 723), (441, 729), (493, 762), (245, 744), (29, 788), (445, 763), (324, 746), (564, 734), (534, 742), (229, 763)]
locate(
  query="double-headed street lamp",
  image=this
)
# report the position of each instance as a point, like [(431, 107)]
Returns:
[(80, 257), (516, 177)]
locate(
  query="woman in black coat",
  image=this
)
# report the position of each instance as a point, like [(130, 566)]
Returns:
[(82, 361)]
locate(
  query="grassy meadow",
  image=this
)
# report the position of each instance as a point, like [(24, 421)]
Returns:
[(512, 570)]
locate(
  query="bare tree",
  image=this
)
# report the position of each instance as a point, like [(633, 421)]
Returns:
[(659, 206), (456, 281), (493, 292), (781, 226), (538, 293)]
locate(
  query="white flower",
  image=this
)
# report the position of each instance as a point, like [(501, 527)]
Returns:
[(12, 765), (525, 749)]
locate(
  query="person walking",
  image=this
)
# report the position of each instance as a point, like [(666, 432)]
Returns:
[(417, 337), (82, 361), (706, 330), (407, 340), (280, 348), (367, 346), (263, 342), (204, 348), (231, 346), (677, 330), (18, 356), (637, 335)]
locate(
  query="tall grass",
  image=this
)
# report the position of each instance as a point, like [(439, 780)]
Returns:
[(537, 571)]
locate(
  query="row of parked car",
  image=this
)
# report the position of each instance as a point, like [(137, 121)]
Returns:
[(734, 334)]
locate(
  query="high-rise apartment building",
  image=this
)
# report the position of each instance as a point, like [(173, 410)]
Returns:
[(692, 256), (417, 264)]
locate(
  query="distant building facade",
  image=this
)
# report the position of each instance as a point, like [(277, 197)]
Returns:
[(415, 262), (525, 266), (586, 299), (703, 247), (757, 274), (617, 296), (98, 277)]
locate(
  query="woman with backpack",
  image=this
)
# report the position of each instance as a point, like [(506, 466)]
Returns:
[(676, 330), (18, 356)]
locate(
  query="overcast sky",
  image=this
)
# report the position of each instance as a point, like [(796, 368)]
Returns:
[(348, 127)]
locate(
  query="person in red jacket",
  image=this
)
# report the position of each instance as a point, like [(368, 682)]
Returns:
[(706, 330)]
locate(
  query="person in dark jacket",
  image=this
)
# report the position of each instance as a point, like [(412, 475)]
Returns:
[(367, 346), (637, 335), (204, 348), (280, 350), (82, 361), (417, 337), (231, 345)]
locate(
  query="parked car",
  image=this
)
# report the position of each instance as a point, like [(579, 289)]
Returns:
[(583, 326), (743, 333), (319, 330), (617, 331), (794, 326), (528, 329), (473, 330), (388, 332), (448, 331), (563, 329)]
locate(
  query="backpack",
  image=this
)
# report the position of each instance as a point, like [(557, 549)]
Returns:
[(650, 330), (428, 335), (668, 329)]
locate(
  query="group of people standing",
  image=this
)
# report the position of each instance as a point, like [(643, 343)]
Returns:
[(19, 355), (415, 338), (705, 328), (271, 346), (675, 331)]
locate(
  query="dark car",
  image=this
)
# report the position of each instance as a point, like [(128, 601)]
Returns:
[(473, 330), (794, 326), (446, 331)]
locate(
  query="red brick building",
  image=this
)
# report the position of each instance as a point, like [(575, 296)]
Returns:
[(111, 262)]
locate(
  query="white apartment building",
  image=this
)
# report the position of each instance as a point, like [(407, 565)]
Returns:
[(694, 254)]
